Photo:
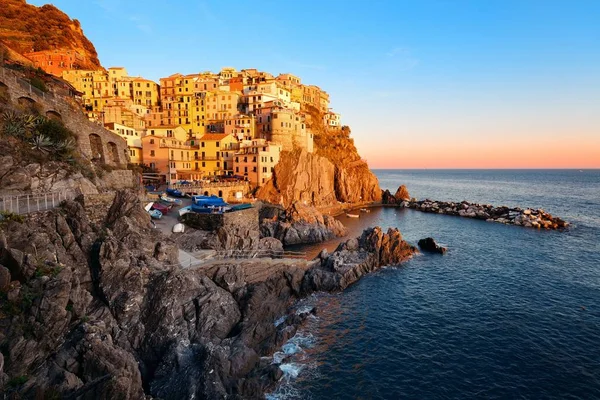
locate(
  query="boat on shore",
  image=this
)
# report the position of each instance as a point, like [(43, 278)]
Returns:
[(175, 193), (185, 210), (352, 215), (170, 200), (365, 210)]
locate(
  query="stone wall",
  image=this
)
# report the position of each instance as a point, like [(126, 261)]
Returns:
[(93, 140), (244, 219), (118, 179), (97, 206)]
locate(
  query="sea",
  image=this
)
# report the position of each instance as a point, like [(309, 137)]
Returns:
[(508, 313)]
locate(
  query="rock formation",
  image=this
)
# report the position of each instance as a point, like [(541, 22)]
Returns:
[(301, 224), (357, 257), (27, 28), (430, 245), (104, 311), (505, 215), (397, 198), (333, 173), (300, 177)]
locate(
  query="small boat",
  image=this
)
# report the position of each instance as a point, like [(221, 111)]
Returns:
[(185, 210), (238, 207), (175, 193), (178, 228), (170, 200), (206, 209), (160, 207), (352, 215), (155, 214), (365, 210)]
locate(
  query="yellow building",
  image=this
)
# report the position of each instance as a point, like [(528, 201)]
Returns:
[(212, 153), (133, 138), (145, 92)]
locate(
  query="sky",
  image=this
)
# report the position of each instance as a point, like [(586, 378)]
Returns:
[(422, 84)]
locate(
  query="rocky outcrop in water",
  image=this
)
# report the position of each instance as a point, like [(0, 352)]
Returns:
[(530, 218), (357, 257), (401, 195), (301, 224), (430, 245)]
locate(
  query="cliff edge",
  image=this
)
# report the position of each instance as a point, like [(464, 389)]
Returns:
[(25, 28)]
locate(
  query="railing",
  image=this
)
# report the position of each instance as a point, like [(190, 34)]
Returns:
[(205, 185), (267, 253), (206, 158), (29, 203)]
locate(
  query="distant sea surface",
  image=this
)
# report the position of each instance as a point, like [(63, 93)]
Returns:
[(508, 312)]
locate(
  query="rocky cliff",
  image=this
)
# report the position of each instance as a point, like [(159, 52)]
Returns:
[(301, 177), (25, 28), (333, 173), (104, 311), (300, 224)]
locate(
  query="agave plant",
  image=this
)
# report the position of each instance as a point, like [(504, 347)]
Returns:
[(42, 143), (65, 145), (20, 125)]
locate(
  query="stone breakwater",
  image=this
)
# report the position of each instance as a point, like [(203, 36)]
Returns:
[(530, 218)]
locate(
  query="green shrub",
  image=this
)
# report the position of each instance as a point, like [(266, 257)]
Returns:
[(6, 216), (38, 83), (55, 130), (17, 381)]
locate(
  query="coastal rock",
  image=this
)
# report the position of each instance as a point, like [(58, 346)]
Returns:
[(349, 262), (505, 215), (302, 224), (105, 311), (430, 245), (402, 193), (300, 177), (4, 278), (399, 197)]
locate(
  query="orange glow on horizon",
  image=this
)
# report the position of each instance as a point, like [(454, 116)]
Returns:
[(575, 153)]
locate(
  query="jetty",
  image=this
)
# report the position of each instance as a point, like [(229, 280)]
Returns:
[(530, 218)]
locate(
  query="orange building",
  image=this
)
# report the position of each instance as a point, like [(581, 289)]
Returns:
[(256, 160), (56, 61)]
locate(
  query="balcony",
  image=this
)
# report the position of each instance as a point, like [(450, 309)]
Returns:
[(207, 158), (167, 145)]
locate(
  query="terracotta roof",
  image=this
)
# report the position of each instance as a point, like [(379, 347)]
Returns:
[(214, 136)]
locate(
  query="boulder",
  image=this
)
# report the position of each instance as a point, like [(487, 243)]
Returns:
[(429, 245), (402, 194)]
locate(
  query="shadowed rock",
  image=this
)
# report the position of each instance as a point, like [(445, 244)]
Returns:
[(429, 245)]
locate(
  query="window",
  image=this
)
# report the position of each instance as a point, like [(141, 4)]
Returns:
[(151, 141), (203, 164), (151, 153), (264, 169), (202, 143), (217, 144)]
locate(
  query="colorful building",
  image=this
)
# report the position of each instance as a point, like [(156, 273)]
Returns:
[(55, 62), (256, 160), (133, 138)]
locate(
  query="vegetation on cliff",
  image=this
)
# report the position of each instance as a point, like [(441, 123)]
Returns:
[(25, 28)]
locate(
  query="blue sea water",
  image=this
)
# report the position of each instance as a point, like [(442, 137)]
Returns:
[(507, 313)]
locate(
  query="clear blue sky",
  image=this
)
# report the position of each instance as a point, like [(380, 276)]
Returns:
[(421, 83)]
